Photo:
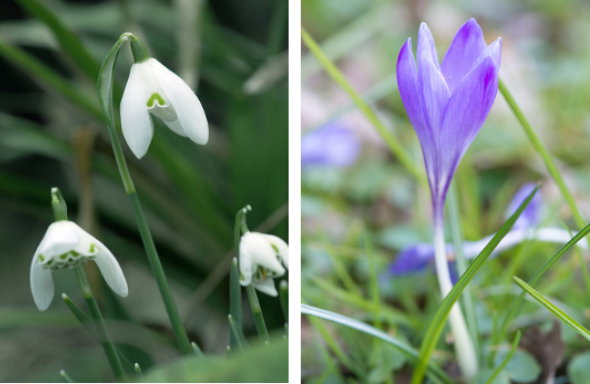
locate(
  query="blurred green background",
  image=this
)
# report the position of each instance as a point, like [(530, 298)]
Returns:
[(357, 215), (234, 55)]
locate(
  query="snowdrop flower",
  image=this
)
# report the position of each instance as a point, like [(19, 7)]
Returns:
[(154, 89), (262, 258), (66, 245)]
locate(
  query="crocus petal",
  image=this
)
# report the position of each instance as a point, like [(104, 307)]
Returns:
[(426, 46), (467, 46), (189, 112), (407, 82), (467, 110), (332, 145), (266, 286), (41, 285), (111, 270), (135, 119)]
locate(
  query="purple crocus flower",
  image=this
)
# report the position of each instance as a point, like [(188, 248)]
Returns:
[(331, 145), (530, 216), (448, 103)]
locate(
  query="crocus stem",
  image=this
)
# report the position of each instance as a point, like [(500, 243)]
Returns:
[(463, 345), (257, 313), (149, 245), (103, 334)]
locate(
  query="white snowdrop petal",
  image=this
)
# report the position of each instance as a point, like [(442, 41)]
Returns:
[(175, 127), (41, 285), (135, 119), (262, 252), (189, 111), (59, 238), (266, 286), (282, 248), (111, 270), (245, 263)]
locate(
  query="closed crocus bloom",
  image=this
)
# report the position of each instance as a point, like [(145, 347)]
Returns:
[(262, 258), (154, 89), (448, 103), (66, 245)]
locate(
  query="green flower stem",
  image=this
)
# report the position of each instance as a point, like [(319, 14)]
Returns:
[(149, 245), (543, 152), (257, 313), (103, 334), (235, 291), (138, 49), (394, 146), (235, 301), (284, 298)]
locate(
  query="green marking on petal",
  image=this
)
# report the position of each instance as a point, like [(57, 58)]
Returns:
[(40, 258), (274, 247), (155, 97), (92, 248), (63, 256)]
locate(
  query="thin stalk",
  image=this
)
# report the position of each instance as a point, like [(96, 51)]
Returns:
[(237, 334), (464, 349), (394, 146), (544, 153), (149, 245), (506, 360), (468, 305), (257, 313), (284, 298), (235, 301), (104, 337), (65, 376)]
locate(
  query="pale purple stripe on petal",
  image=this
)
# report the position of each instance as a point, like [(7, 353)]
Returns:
[(467, 46)]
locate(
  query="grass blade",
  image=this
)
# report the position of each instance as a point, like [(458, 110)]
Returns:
[(543, 152), (506, 360), (49, 77), (516, 304), (585, 333), (440, 318), (436, 373), (394, 146), (68, 40)]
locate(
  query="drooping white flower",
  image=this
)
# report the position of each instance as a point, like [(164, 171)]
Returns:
[(262, 258), (65, 245), (154, 89)]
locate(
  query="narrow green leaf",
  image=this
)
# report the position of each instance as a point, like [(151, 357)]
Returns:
[(49, 77), (68, 39), (551, 307), (395, 147), (237, 334), (516, 304), (440, 318), (436, 374), (543, 152), (506, 360)]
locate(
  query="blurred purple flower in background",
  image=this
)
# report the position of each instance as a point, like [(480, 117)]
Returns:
[(530, 216), (331, 145), (448, 103), (416, 258)]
